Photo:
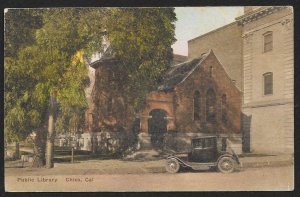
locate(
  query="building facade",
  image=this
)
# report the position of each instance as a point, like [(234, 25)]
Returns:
[(258, 54), (197, 97), (109, 119), (268, 76), (252, 59), (226, 42)]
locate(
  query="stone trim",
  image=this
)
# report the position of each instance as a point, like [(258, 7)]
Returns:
[(286, 21), (247, 70), (268, 103), (159, 101), (288, 59), (259, 13), (102, 62), (289, 130)]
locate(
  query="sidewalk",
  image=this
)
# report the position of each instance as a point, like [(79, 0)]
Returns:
[(266, 161), (118, 166), (158, 166)]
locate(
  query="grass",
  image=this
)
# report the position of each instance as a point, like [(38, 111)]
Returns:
[(67, 158), (63, 154)]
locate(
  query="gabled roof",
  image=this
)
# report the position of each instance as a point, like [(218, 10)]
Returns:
[(178, 73), (107, 56)]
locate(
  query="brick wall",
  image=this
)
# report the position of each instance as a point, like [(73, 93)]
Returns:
[(201, 80), (226, 42), (109, 106)]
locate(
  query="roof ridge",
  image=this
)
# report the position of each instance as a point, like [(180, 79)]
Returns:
[(180, 72), (203, 57)]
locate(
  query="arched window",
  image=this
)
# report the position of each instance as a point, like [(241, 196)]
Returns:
[(268, 83), (268, 41), (224, 109), (109, 104), (210, 71), (197, 105), (210, 106)]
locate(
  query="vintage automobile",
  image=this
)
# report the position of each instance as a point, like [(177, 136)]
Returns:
[(204, 154)]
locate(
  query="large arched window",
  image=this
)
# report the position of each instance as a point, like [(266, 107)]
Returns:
[(210, 71), (109, 105), (268, 83), (197, 105), (210, 106), (224, 109)]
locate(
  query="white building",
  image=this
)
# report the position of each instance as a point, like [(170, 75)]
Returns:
[(257, 51), (268, 77)]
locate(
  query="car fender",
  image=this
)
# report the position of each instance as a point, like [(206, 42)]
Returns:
[(179, 160), (229, 155), (225, 155)]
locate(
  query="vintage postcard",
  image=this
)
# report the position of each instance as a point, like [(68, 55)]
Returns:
[(149, 99)]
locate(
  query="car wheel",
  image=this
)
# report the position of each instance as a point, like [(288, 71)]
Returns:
[(226, 165), (172, 166)]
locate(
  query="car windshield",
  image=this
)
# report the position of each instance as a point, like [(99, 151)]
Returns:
[(198, 143), (203, 143)]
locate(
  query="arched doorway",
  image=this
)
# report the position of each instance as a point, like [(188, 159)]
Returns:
[(157, 127)]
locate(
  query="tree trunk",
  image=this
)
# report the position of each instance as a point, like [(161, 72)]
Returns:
[(51, 133), (17, 151), (39, 148)]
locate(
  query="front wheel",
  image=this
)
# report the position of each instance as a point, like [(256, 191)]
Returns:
[(172, 165), (226, 165)]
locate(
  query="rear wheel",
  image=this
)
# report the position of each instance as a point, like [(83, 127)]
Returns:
[(172, 165), (226, 165)]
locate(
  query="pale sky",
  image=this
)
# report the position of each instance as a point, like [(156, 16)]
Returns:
[(195, 21)]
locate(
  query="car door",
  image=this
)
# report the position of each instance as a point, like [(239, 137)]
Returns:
[(197, 150), (209, 150)]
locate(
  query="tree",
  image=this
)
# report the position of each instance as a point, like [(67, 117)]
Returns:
[(65, 77), (20, 26), (45, 76), (142, 39), (51, 70)]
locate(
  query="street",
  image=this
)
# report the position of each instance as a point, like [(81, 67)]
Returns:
[(249, 179)]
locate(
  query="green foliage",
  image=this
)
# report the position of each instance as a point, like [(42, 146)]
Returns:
[(42, 59), (142, 39), (19, 28), (44, 51)]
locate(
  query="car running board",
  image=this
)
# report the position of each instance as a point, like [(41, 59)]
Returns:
[(196, 164)]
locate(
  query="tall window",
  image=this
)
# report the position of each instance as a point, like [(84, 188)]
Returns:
[(197, 105), (268, 41), (109, 105), (224, 109), (268, 83), (210, 106), (210, 71)]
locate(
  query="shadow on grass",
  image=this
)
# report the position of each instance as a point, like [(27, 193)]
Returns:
[(15, 166), (62, 155), (254, 155)]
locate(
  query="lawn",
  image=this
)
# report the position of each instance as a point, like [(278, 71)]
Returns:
[(64, 154)]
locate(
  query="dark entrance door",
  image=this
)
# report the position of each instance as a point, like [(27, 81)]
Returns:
[(157, 127)]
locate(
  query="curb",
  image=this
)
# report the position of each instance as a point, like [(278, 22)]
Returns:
[(267, 164), (243, 165)]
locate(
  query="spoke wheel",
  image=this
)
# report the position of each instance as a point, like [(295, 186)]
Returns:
[(226, 165), (172, 166)]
